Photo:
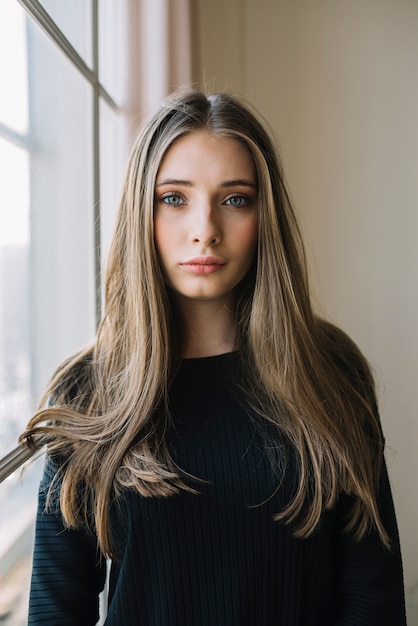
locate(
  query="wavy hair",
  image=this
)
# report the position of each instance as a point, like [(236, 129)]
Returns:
[(110, 409)]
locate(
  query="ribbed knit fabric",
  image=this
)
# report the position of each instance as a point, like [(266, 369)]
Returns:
[(217, 558)]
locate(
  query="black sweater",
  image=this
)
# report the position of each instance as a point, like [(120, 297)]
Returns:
[(217, 558)]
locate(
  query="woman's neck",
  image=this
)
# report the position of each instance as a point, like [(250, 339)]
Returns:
[(209, 328)]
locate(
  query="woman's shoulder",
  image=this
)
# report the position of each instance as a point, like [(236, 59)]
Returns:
[(348, 358)]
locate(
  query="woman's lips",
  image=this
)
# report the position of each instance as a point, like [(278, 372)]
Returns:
[(203, 265)]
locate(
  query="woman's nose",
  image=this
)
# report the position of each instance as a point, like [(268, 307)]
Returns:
[(206, 229)]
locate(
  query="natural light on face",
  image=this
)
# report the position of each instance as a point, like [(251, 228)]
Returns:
[(206, 216)]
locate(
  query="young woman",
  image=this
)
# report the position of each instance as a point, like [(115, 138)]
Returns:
[(218, 444)]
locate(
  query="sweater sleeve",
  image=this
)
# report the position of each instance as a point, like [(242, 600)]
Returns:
[(370, 585), (68, 572), (370, 578)]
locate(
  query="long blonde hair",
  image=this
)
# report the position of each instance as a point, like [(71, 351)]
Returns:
[(110, 408)]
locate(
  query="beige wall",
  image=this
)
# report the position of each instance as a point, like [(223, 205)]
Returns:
[(338, 81)]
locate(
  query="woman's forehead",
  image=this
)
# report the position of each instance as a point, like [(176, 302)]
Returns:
[(192, 153)]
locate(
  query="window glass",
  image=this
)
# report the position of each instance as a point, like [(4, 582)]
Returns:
[(13, 67), (18, 498), (15, 401), (47, 286), (48, 167), (74, 18), (62, 211)]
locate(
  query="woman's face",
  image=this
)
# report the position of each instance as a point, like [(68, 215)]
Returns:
[(206, 216)]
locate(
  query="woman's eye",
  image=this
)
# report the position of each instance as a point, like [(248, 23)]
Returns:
[(237, 201), (172, 199)]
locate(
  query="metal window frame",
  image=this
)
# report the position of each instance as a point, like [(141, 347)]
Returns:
[(21, 140)]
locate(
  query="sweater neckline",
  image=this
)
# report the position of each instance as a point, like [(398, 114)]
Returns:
[(224, 356)]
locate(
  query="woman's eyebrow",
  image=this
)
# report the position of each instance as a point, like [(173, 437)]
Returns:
[(174, 181), (187, 183), (239, 183)]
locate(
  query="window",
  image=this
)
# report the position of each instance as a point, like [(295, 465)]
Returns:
[(62, 151)]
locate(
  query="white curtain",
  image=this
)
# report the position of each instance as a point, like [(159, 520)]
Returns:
[(162, 56)]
